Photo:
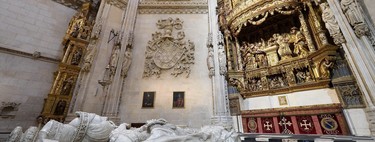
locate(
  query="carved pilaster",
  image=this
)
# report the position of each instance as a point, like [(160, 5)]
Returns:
[(306, 32)]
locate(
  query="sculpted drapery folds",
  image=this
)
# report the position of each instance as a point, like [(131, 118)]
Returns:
[(354, 16), (331, 24), (126, 62), (165, 52)]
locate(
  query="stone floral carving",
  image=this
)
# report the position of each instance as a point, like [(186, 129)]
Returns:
[(331, 24), (166, 52), (222, 57), (354, 16)]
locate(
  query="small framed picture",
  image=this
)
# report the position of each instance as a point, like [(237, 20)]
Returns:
[(282, 100), (148, 99), (178, 99)]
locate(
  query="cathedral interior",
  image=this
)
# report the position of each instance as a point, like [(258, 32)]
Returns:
[(278, 67)]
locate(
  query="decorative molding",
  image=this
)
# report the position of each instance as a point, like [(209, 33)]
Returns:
[(118, 3), (166, 52), (36, 55), (9, 109), (173, 7), (300, 110)]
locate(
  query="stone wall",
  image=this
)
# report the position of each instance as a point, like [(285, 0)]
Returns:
[(197, 87), (27, 26), (33, 25)]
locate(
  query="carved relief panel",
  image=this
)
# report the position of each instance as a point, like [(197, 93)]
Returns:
[(169, 50)]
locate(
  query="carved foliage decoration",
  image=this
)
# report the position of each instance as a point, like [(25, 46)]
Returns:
[(168, 50)]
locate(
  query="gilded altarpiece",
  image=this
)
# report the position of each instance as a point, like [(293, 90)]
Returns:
[(74, 46), (278, 47)]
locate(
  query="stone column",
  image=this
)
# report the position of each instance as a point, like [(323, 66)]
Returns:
[(219, 86), (360, 59), (112, 104)]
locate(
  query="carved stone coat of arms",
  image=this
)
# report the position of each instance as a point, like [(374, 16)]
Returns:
[(168, 50)]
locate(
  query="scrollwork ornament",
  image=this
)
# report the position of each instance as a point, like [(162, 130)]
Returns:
[(167, 52)]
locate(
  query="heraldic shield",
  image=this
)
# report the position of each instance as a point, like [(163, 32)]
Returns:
[(167, 52)]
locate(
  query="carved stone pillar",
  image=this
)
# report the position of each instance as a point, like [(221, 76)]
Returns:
[(221, 114), (112, 103), (321, 34), (359, 58)]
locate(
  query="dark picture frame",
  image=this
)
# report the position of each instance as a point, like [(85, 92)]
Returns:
[(148, 99), (178, 100)]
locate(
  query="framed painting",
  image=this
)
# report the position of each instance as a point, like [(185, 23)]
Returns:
[(283, 100), (148, 99), (178, 99)]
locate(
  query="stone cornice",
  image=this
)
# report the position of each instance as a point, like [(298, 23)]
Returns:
[(173, 7), (28, 55)]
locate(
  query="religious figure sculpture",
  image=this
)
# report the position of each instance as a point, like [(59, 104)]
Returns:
[(67, 87), (222, 61), (159, 130), (284, 49), (88, 60), (331, 24), (237, 83), (210, 62), (325, 66), (114, 58), (354, 15), (76, 57), (351, 12), (300, 77), (299, 41), (126, 62), (87, 127)]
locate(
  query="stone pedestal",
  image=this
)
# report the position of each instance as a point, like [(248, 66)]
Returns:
[(272, 56)]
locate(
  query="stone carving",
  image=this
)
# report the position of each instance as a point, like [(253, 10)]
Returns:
[(331, 24), (210, 62), (114, 57), (222, 61), (354, 16), (30, 134), (165, 52), (15, 135), (89, 59), (126, 62), (87, 127), (118, 3), (91, 49), (160, 130)]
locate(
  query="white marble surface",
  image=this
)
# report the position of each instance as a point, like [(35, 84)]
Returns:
[(303, 98)]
